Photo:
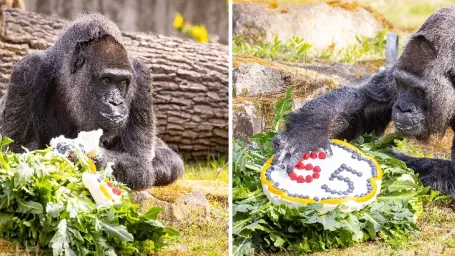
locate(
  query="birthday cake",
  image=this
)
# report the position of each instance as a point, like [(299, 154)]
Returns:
[(347, 177)]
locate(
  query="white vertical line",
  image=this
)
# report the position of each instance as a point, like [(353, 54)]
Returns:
[(230, 126)]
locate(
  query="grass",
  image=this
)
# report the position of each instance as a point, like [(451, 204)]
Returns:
[(298, 50), (214, 168), (407, 15), (209, 236)]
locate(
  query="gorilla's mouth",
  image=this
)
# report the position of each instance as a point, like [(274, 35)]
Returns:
[(114, 118), (414, 130)]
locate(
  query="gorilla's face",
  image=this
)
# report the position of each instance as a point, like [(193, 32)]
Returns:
[(410, 110), (104, 78)]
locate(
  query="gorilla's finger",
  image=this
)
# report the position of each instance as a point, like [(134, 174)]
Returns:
[(279, 156), (327, 148)]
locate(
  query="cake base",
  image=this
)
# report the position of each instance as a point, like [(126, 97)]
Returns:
[(348, 177)]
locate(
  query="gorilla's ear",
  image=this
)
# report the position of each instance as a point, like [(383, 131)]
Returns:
[(417, 55)]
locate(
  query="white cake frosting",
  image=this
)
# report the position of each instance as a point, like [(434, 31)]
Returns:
[(348, 177)]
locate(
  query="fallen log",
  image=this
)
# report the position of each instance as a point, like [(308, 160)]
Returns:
[(190, 80)]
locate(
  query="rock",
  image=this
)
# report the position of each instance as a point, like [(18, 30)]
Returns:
[(245, 120), (147, 201), (190, 207), (254, 79), (317, 23), (344, 74)]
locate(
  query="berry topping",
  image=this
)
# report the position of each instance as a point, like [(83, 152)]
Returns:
[(300, 166), (317, 169), (300, 179), (322, 155), (293, 176), (316, 175), (309, 167), (308, 178), (109, 184), (313, 155), (117, 191), (306, 156)]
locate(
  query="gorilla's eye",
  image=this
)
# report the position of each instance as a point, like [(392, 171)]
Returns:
[(106, 80), (419, 91), (124, 83)]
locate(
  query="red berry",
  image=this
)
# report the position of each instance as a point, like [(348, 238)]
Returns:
[(316, 175), (309, 178), (300, 179), (293, 175), (300, 166), (306, 156), (313, 155), (309, 167), (317, 169), (322, 155), (117, 191), (109, 184)]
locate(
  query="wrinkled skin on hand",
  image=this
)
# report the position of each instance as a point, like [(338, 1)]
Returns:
[(289, 149)]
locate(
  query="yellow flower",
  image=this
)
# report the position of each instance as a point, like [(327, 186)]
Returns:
[(200, 34), (178, 21)]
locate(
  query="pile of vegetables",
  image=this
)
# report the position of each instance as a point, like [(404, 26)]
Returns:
[(259, 225), (44, 206)]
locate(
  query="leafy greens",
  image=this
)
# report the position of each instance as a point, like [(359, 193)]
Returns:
[(259, 225), (43, 204)]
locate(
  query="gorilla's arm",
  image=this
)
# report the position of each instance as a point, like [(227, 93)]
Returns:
[(143, 171), (436, 173), (343, 113), (22, 108)]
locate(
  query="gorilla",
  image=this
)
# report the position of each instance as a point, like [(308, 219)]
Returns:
[(417, 94), (87, 81)]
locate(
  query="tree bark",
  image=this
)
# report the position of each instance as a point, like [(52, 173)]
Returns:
[(190, 80)]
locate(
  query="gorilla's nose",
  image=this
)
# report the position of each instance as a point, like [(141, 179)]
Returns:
[(115, 101), (404, 108)]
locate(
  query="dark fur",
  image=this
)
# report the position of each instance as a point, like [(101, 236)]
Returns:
[(57, 92), (417, 94)]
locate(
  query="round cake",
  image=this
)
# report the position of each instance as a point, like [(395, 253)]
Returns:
[(347, 177)]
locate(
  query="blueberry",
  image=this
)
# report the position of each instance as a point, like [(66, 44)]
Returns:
[(333, 192), (328, 190), (345, 193), (316, 199), (346, 179), (339, 177), (331, 178), (324, 186), (343, 165), (333, 175), (350, 190)]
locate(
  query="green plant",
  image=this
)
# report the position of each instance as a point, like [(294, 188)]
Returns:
[(45, 206), (260, 225), (297, 49)]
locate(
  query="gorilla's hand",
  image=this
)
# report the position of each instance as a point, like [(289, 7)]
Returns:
[(290, 146)]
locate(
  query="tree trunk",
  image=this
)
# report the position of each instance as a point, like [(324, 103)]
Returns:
[(190, 80)]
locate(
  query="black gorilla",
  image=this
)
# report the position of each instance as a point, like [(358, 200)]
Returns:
[(84, 82), (417, 94)]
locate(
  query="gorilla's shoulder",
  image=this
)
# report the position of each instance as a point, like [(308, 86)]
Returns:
[(29, 69)]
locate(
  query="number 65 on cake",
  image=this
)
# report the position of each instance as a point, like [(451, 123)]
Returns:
[(347, 177)]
